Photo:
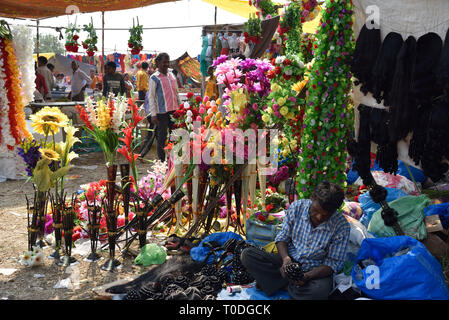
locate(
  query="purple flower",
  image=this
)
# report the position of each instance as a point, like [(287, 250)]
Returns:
[(220, 60)]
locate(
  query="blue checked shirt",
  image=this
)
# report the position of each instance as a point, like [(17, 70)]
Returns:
[(313, 247)]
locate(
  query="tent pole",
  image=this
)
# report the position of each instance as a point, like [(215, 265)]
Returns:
[(102, 42), (37, 38), (214, 44)]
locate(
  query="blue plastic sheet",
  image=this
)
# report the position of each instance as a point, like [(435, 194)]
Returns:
[(252, 294), (369, 206), (402, 269), (200, 252), (418, 175), (442, 210)]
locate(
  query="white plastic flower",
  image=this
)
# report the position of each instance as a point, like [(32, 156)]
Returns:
[(37, 250), (189, 113), (186, 105), (25, 258), (280, 59)]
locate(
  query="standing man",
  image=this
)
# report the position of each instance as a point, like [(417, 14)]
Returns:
[(313, 234), (162, 100), (43, 70), (80, 80), (142, 81), (113, 81)]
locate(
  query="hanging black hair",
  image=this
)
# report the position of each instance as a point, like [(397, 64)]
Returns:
[(443, 68), (424, 85), (364, 57), (400, 103), (437, 143), (383, 71)]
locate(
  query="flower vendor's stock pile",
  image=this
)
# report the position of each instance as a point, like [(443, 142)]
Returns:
[(297, 95)]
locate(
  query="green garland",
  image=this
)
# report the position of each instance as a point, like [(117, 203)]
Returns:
[(328, 114)]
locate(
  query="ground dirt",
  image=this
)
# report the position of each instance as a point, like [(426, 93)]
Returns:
[(22, 284)]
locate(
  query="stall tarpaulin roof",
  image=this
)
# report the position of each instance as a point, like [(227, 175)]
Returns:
[(53, 8)]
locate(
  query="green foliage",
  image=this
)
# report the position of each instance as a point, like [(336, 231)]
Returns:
[(49, 43), (328, 115), (44, 178), (108, 141)]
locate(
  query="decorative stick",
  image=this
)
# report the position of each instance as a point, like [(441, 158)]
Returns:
[(195, 183), (178, 180)]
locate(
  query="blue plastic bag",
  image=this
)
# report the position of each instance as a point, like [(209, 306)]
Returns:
[(261, 234), (413, 274), (200, 252), (369, 206)]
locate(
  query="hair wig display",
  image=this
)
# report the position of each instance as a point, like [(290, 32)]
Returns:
[(443, 69), (383, 71), (401, 108), (364, 57)]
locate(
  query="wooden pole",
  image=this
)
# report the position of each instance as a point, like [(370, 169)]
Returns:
[(102, 42), (214, 44), (37, 38)]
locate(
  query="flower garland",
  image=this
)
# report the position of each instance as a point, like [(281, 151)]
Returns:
[(23, 46), (90, 44), (71, 43), (135, 38), (6, 138), (328, 114)]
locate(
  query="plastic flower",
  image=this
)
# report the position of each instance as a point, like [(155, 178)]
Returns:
[(48, 120), (37, 259), (25, 259), (49, 154), (299, 85), (104, 117)]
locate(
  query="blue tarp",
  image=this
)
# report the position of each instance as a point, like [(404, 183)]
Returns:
[(200, 252)]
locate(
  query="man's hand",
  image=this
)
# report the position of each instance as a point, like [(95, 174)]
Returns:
[(300, 283), (285, 262), (154, 120)]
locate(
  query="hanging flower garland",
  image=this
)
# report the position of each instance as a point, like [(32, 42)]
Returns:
[(90, 44), (24, 46), (328, 115), (135, 38), (71, 43)]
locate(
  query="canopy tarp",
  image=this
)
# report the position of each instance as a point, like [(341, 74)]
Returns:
[(238, 7), (53, 8), (47, 55)]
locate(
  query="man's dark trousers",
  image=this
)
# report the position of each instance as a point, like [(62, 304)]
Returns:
[(264, 267), (164, 124)]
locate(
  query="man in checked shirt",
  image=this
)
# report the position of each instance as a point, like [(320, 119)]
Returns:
[(313, 234)]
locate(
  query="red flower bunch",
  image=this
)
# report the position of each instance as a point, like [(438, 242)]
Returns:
[(127, 150), (84, 116), (269, 207)]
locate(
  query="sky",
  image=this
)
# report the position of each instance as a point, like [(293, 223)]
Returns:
[(173, 41)]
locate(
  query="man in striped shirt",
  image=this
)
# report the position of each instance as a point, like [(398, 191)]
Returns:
[(313, 234), (161, 101)]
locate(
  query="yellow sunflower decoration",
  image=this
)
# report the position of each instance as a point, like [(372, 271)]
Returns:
[(48, 120), (49, 154), (300, 85)]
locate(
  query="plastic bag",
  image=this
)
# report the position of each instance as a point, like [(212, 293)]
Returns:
[(352, 209), (410, 218), (151, 254), (260, 233), (200, 252), (413, 275), (369, 206)]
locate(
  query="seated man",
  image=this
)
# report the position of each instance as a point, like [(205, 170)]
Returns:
[(313, 234)]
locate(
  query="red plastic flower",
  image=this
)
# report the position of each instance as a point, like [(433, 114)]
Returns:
[(198, 99), (269, 207), (189, 95)]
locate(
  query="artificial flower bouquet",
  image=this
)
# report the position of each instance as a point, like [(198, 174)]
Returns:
[(72, 37), (252, 30), (90, 44), (135, 38), (32, 258), (104, 121), (266, 8)]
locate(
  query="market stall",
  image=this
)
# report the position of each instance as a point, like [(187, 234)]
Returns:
[(298, 115)]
